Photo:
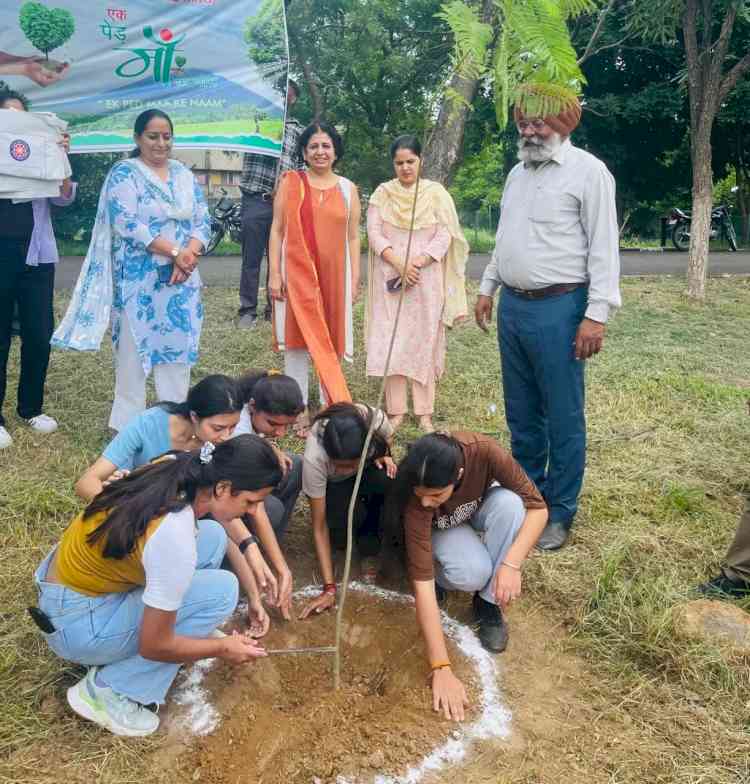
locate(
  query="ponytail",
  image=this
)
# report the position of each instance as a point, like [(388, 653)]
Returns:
[(246, 462), (211, 396), (271, 392), (344, 428)]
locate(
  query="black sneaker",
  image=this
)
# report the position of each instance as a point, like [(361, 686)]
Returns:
[(493, 633), (722, 587)]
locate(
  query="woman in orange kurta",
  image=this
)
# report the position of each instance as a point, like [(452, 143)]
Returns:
[(314, 265)]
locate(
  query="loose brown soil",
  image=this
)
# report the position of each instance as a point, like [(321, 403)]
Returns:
[(282, 722)]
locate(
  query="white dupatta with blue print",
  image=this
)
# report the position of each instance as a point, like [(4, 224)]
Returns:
[(88, 315)]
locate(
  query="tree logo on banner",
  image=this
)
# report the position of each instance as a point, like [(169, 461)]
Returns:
[(160, 57)]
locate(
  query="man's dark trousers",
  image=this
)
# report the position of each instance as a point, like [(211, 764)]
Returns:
[(543, 389), (257, 214), (33, 289)]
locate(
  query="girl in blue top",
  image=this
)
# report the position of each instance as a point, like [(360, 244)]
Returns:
[(210, 413)]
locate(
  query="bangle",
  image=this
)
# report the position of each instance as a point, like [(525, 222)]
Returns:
[(246, 542), (517, 567), (439, 665), (329, 588)]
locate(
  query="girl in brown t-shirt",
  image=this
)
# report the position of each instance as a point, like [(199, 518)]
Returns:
[(454, 489)]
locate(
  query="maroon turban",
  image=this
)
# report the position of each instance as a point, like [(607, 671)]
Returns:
[(564, 122)]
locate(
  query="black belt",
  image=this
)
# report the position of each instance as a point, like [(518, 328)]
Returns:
[(547, 291)]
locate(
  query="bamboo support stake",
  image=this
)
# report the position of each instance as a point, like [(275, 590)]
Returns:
[(363, 456)]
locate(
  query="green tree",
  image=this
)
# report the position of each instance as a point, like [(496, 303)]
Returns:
[(46, 28), (733, 129), (707, 29), (634, 116), (264, 34), (523, 47), (373, 69)]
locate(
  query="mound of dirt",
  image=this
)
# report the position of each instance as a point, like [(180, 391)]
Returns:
[(282, 723)]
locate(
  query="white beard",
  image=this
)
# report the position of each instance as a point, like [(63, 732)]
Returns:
[(537, 150)]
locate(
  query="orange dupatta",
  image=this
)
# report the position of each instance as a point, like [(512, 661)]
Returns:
[(303, 292)]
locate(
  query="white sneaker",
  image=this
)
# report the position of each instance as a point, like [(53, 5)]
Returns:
[(5, 439), (42, 423), (115, 712)]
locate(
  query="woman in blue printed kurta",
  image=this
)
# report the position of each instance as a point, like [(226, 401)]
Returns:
[(159, 222)]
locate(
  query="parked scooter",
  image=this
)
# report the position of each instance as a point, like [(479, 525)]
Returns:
[(721, 226), (226, 216)]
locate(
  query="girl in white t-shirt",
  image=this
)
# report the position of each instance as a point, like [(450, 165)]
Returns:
[(332, 454), (134, 587)]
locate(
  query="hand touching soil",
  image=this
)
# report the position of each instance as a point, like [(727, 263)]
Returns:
[(241, 648), (448, 694)]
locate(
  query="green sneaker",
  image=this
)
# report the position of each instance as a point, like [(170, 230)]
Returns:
[(115, 712)]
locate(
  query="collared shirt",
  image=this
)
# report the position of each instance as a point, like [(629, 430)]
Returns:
[(42, 245), (558, 224), (259, 172)]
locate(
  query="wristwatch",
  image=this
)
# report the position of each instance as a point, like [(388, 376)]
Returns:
[(175, 252)]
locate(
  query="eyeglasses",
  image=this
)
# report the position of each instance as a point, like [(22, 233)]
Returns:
[(537, 125)]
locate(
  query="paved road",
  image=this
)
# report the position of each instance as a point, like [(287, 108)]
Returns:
[(225, 270)]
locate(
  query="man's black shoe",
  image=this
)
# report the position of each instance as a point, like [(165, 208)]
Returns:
[(722, 587), (493, 633), (553, 537), (267, 314)]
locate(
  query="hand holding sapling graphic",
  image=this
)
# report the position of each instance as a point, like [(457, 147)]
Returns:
[(43, 72), (47, 29)]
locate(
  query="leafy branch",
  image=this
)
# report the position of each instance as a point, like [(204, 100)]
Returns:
[(533, 62)]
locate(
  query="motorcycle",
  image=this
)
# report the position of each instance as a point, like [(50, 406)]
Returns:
[(721, 226), (226, 216)]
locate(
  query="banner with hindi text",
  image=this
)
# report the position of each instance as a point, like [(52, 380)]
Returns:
[(99, 63)]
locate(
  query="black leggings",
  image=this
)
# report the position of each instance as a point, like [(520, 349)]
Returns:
[(368, 511), (32, 288)]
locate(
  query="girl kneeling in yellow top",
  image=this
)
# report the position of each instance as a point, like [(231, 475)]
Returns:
[(134, 587)]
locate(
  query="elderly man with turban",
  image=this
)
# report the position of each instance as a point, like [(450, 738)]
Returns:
[(556, 258)]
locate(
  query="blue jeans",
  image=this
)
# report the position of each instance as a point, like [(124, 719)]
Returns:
[(105, 630), (467, 556), (280, 504), (543, 389)]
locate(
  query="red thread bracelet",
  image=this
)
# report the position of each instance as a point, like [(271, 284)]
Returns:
[(329, 588)]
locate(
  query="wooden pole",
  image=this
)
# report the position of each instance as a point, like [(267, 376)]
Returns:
[(363, 456)]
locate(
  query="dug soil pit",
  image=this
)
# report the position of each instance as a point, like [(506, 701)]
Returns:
[(281, 721)]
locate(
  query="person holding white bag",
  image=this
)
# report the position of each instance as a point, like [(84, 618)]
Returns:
[(28, 255), (151, 225)]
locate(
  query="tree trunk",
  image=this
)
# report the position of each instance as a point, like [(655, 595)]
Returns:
[(442, 152), (700, 227), (311, 81)]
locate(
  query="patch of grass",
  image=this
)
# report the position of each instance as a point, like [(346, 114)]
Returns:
[(669, 447)]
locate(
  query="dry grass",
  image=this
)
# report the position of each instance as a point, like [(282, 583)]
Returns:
[(669, 451)]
